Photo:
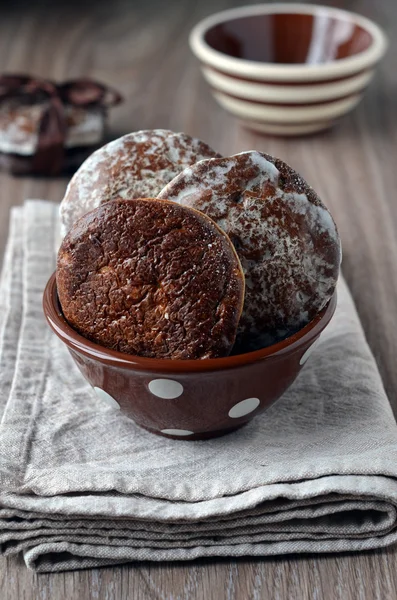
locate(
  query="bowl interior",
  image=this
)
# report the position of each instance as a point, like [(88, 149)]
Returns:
[(289, 38)]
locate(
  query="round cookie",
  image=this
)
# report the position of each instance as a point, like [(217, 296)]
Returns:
[(286, 239), (137, 165), (151, 278)]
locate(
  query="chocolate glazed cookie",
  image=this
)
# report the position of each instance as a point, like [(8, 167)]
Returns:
[(137, 165), (151, 278), (286, 239)]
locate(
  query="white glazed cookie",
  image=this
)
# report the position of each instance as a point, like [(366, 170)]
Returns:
[(286, 239), (137, 165)]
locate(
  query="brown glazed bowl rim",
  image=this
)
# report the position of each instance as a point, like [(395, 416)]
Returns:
[(242, 67), (76, 342)]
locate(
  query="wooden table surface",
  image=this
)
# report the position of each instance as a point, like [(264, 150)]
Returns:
[(141, 49)]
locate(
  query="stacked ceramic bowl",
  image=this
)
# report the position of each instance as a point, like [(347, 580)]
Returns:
[(288, 69)]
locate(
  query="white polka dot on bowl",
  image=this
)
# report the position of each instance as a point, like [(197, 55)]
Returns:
[(180, 432), (244, 408), (166, 388), (308, 352), (105, 397)]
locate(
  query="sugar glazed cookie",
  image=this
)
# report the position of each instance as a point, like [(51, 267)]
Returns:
[(137, 165), (151, 278), (285, 237)]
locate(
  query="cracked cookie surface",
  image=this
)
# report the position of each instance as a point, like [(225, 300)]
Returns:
[(151, 278), (137, 165), (285, 237)]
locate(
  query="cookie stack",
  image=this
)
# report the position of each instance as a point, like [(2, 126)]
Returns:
[(172, 251)]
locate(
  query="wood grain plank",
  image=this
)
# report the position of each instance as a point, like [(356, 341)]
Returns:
[(141, 48)]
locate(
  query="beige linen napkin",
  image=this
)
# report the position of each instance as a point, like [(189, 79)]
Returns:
[(82, 486)]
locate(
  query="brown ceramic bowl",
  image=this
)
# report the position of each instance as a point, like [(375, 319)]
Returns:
[(288, 69), (188, 399)]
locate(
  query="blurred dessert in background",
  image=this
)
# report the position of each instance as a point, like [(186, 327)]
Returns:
[(47, 128)]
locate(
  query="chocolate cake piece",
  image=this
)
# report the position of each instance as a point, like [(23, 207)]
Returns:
[(47, 128), (19, 134)]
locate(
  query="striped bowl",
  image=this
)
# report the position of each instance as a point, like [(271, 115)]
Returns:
[(288, 69)]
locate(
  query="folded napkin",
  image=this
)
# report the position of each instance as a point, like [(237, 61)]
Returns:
[(82, 486)]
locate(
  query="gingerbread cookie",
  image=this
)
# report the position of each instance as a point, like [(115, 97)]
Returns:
[(151, 278), (137, 165), (286, 239)]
